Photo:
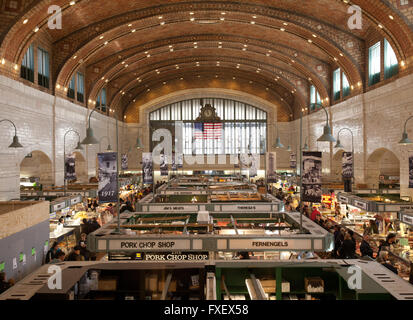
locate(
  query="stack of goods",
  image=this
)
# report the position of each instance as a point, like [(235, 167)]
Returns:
[(314, 284)]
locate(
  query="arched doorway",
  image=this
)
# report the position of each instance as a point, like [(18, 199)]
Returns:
[(36, 167), (382, 162), (80, 168), (337, 167)]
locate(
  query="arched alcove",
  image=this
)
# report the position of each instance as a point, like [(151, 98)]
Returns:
[(37, 166), (336, 166), (381, 162), (80, 168)]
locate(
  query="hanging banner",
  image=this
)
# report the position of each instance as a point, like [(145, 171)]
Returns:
[(70, 162), (411, 170), (108, 177), (293, 161), (124, 161), (255, 162), (174, 166), (347, 162), (163, 165), (180, 160), (312, 169), (250, 162), (147, 167), (271, 167)]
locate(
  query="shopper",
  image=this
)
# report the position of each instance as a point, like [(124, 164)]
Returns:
[(75, 255), (127, 207), (388, 244), (60, 257), (4, 285), (94, 225), (315, 213), (365, 248), (383, 259), (348, 248), (338, 240), (85, 226), (51, 254), (83, 244)]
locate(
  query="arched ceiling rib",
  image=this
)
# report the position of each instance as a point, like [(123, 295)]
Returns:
[(304, 40)]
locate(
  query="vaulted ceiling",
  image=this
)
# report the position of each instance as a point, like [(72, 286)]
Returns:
[(142, 49)]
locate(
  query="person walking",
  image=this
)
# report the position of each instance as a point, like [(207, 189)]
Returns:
[(348, 248), (365, 248)]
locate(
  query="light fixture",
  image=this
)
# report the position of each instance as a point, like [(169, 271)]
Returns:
[(90, 139), (278, 144), (25, 21), (3, 61), (36, 29), (138, 144), (289, 148), (282, 29), (101, 37), (391, 17), (162, 23), (72, 3), (306, 148), (15, 143), (339, 145), (405, 137), (326, 137)]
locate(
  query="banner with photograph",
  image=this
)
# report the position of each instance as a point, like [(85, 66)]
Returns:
[(108, 178), (411, 170), (147, 168), (70, 167), (173, 165), (347, 162), (180, 160), (271, 170), (255, 162), (312, 170), (124, 161), (293, 161), (163, 165)]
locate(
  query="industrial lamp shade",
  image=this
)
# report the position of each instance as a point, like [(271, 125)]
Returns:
[(79, 146), (90, 139), (327, 137), (278, 144), (305, 148), (109, 148), (405, 139), (289, 148), (339, 145), (139, 144), (15, 143)]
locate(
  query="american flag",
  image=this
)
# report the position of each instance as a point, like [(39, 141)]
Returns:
[(208, 130)]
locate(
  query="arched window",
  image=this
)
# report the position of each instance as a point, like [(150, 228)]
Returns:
[(242, 128)]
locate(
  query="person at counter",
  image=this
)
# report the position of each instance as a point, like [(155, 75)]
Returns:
[(85, 226), (348, 248), (315, 213), (388, 244), (365, 247), (60, 257), (383, 259), (53, 251), (75, 255)]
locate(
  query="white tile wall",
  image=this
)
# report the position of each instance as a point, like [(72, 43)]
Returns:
[(376, 118)]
